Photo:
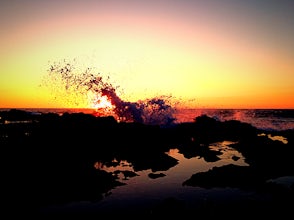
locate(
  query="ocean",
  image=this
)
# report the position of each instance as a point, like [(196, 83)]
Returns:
[(266, 119)]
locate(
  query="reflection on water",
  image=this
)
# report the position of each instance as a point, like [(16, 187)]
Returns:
[(142, 188), (278, 138), (114, 165), (228, 153), (275, 138)]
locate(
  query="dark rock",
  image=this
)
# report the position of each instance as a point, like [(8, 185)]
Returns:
[(156, 175)]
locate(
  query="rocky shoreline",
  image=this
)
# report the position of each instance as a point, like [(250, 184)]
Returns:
[(50, 160)]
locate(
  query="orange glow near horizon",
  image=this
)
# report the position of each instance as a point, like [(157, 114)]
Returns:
[(207, 55)]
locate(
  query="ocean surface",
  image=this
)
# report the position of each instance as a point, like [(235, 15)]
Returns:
[(266, 119)]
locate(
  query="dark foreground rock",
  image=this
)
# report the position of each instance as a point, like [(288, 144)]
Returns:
[(52, 159)]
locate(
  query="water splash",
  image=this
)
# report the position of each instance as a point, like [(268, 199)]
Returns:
[(63, 76)]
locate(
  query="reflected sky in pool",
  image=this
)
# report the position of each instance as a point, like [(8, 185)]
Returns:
[(143, 189)]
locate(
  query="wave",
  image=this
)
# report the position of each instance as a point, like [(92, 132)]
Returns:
[(153, 111)]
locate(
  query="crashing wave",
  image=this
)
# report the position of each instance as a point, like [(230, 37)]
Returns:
[(153, 111)]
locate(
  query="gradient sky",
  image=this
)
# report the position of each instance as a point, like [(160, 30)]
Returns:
[(212, 54)]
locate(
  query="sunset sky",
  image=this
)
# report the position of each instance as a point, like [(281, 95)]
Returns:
[(208, 54)]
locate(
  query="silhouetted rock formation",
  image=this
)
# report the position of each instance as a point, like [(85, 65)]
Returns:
[(227, 176), (156, 175), (51, 157)]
